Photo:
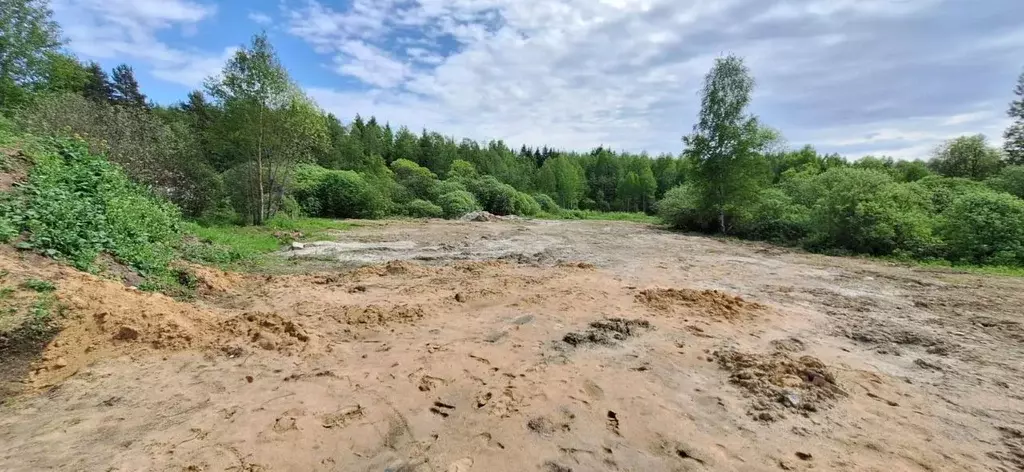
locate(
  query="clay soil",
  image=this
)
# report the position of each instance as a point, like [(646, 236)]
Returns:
[(529, 346)]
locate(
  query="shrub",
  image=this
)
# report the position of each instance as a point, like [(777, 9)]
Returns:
[(165, 157), (547, 204), (1010, 180), (423, 209), (76, 205), (680, 208), (495, 196), (345, 194), (418, 180), (457, 203), (449, 186), (943, 190), (776, 217), (985, 228), (525, 205), (863, 210), (338, 193)]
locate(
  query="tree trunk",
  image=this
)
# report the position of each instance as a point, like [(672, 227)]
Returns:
[(259, 172)]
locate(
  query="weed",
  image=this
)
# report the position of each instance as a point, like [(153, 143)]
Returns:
[(6, 292), (41, 286)]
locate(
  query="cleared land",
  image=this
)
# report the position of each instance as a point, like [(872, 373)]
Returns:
[(529, 345)]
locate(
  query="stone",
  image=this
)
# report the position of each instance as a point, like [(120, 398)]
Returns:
[(126, 333)]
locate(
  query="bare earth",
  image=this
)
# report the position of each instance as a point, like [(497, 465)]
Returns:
[(530, 346)]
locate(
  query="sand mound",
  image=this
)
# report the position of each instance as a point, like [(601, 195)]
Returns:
[(713, 302), (386, 269), (269, 331), (376, 315), (210, 280), (103, 318), (779, 382)]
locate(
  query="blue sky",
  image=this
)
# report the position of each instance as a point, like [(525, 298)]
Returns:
[(889, 77)]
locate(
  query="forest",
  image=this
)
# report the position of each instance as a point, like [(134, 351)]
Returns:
[(251, 147)]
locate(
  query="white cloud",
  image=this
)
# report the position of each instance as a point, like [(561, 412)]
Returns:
[(260, 18), (128, 30), (853, 76), (194, 71), (370, 64)]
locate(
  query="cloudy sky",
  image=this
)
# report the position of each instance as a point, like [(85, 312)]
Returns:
[(892, 77)]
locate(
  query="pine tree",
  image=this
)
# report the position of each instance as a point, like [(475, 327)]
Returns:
[(98, 87), (1014, 135), (126, 88)]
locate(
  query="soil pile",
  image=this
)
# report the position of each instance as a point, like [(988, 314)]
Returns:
[(711, 302), (607, 332), (778, 382)]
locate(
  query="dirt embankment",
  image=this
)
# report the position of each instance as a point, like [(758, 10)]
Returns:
[(510, 346)]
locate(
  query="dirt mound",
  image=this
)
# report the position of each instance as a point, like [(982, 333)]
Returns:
[(269, 331), (713, 302), (607, 332), (210, 280), (483, 216), (376, 315), (779, 382), (386, 269)]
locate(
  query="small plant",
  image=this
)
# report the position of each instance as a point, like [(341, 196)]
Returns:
[(41, 286), (6, 292)]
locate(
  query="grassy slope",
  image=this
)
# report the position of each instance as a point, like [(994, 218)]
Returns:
[(599, 215), (252, 247)]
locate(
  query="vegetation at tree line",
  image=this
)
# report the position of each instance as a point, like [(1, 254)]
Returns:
[(114, 173)]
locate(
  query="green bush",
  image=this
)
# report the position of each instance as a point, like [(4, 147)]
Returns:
[(346, 194), (865, 211), (457, 203), (547, 204), (776, 217), (337, 193), (449, 186), (985, 227), (496, 197), (423, 209), (76, 205), (943, 190), (1010, 180), (680, 208), (524, 205), (419, 181)]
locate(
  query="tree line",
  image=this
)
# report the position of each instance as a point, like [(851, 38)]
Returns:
[(250, 145)]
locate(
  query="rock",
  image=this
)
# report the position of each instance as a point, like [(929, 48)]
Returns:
[(127, 333), (459, 297), (523, 320), (268, 344), (924, 363), (297, 245), (480, 216), (461, 465), (804, 456), (60, 363), (790, 398)]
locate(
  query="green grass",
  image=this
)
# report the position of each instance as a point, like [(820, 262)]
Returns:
[(602, 215), (40, 286), (232, 245), (1007, 271)]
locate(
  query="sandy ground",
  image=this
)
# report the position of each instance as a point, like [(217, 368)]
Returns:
[(531, 346)]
